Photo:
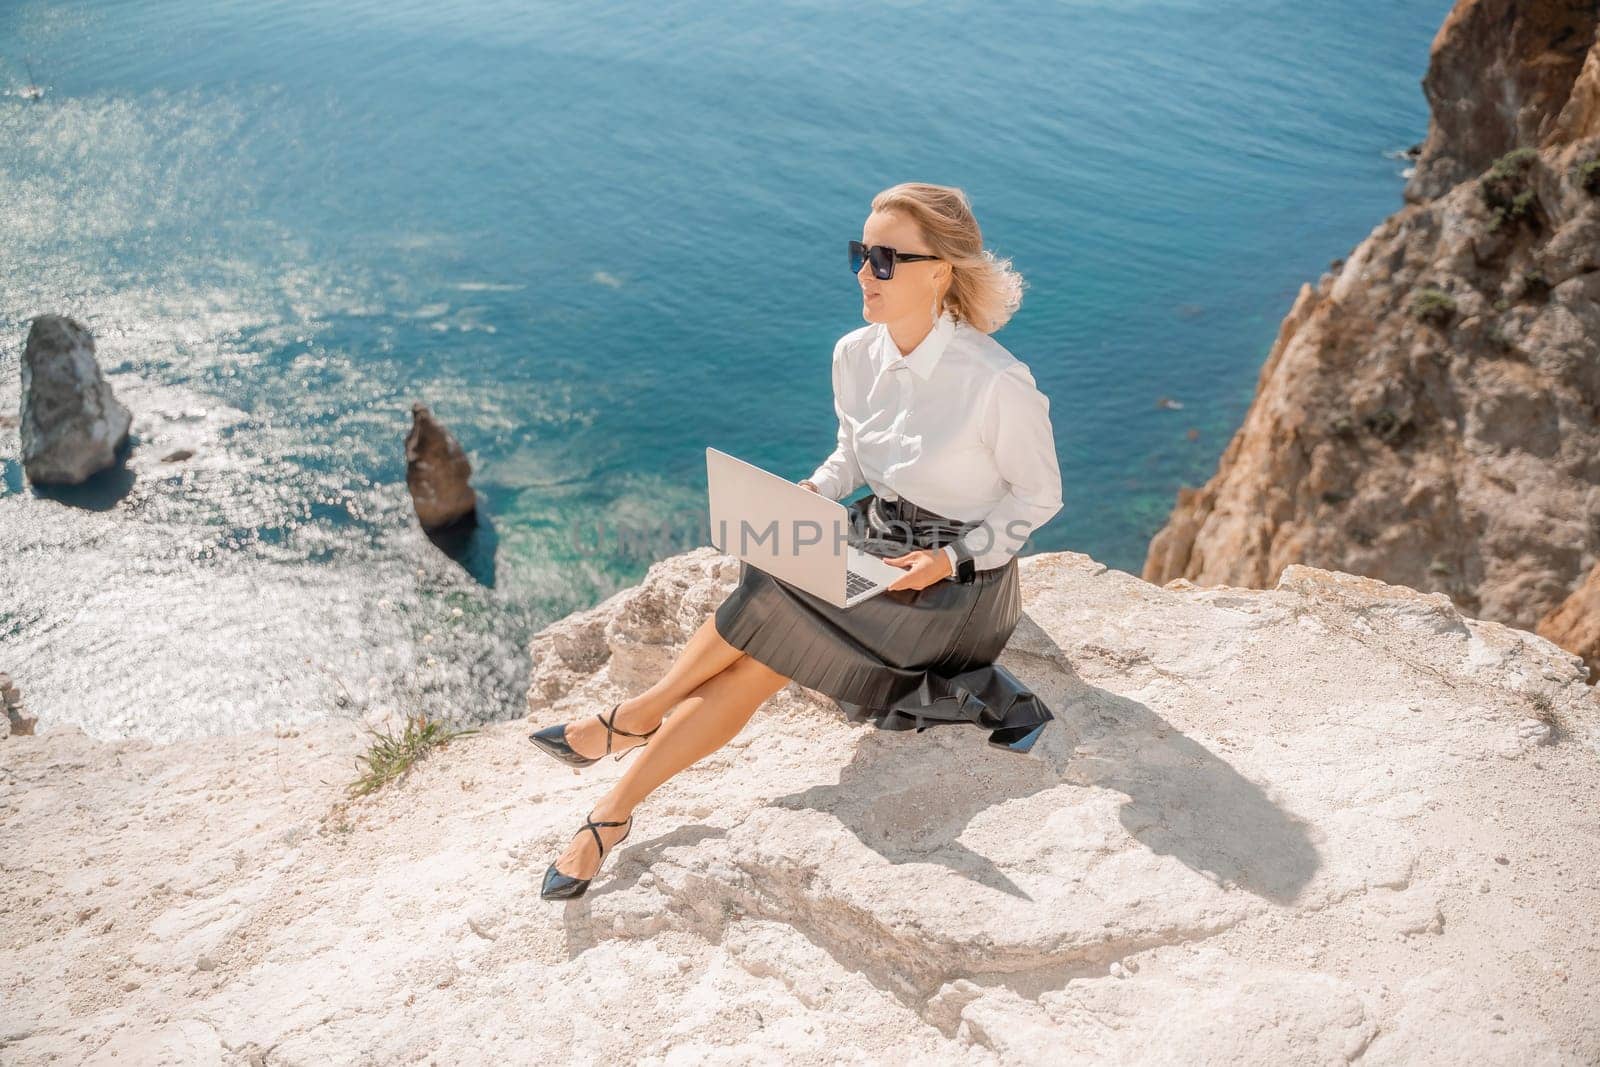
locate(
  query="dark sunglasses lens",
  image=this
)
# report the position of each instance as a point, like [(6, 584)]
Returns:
[(882, 262), (858, 256)]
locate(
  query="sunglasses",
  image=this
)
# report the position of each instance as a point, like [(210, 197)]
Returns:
[(883, 259)]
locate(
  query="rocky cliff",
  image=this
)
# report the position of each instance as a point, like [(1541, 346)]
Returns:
[(1330, 820), (1505, 74), (1429, 414)]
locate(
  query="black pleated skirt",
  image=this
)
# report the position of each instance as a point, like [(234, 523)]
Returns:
[(903, 659)]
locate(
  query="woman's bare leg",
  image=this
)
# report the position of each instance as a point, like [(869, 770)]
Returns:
[(705, 656), (708, 719)]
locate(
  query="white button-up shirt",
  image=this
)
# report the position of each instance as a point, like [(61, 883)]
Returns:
[(956, 426)]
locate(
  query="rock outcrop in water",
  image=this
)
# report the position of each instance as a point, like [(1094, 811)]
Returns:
[(71, 422), (14, 718), (1430, 414), (1331, 820), (437, 472)]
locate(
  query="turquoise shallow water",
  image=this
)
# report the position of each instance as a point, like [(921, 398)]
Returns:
[(595, 238)]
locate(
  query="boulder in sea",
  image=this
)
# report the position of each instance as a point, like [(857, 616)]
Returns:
[(437, 472), (72, 423), (15, 722)]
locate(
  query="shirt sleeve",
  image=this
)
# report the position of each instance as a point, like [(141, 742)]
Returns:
[(1016, 427), (840, 474)]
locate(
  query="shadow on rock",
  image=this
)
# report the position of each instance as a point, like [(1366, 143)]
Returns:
[(101, 491), (910, 798)]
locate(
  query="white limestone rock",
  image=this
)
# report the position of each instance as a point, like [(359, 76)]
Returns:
[(1268, 826)]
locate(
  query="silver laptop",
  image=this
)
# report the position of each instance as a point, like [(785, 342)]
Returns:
[(786, 530)]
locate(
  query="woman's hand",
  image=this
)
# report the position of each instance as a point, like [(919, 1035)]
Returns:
[(809, 484), (924, 566)]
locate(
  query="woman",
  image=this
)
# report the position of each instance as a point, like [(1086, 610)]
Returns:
[(953, 437)]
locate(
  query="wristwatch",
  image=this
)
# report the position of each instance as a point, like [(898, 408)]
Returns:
[(965, 570)]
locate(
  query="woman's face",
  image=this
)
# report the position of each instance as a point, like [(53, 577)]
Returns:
[(909, 295)]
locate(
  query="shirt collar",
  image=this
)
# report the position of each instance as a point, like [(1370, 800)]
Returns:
[(922, 359)]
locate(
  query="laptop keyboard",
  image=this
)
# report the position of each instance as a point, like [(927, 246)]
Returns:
[(855, 583)]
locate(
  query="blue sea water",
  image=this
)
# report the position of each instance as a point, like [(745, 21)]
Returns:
[(595, 238)]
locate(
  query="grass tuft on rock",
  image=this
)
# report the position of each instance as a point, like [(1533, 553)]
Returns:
[(1589, 177), (391, 756), (1506, 191), (1433, 305)]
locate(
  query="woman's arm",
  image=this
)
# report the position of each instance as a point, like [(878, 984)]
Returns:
[(1016, 427)]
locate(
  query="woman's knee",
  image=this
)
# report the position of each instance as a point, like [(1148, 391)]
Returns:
[(759, 673), (745, 675)]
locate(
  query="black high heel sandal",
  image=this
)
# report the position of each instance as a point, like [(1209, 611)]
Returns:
[(558, 886), (1015, 739), (553, 739)]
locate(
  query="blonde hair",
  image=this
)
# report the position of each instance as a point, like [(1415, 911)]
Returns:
[(984, 291)]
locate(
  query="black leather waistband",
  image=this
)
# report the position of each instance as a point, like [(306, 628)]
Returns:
[(904, 521)]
